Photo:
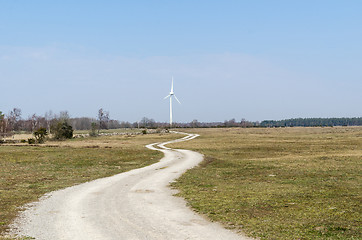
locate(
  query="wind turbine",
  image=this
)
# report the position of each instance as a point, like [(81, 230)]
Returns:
[(172, 94)]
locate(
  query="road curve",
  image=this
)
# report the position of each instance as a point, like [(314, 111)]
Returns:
[(133, 205)]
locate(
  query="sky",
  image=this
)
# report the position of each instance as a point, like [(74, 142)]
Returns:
[(257, 60)]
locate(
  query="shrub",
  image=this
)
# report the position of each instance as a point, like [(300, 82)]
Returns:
[(144, 131), (40, 135), (31, 140), (93, 132), (62, 130)]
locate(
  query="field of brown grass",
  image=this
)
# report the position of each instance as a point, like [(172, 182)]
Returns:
[(28, 172), (279, 183)]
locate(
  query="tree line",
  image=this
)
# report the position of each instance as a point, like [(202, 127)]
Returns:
[(13, 122), (313, 122), (294, 122), (53, 123)]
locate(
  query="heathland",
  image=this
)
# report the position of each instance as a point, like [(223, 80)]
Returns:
[(278, 183)]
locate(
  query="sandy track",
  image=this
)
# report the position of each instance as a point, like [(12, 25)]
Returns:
[(131, 205)]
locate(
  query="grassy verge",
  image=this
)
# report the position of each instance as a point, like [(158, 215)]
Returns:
[(27, 172), (292, 183)]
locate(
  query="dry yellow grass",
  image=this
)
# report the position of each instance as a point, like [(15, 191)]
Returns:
[(279, 183), (27, 172), (22, 136)]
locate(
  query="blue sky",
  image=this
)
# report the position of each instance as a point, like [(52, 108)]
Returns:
[(230, 59)]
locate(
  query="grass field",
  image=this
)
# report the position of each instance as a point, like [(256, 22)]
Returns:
[(280, 183), (118, 130), (27, 172)]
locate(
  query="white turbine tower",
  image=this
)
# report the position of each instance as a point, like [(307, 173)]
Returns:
[(172, 94)]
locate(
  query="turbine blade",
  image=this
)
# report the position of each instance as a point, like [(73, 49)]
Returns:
[(167, 96), (177, 99)]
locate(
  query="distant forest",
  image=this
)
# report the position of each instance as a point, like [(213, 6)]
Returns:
[(313, 122), (294, 122)]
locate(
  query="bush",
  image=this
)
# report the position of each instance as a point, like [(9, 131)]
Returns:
[(62, 130), (23, 141), (31, 140), (40, 135), (93, 132), (144, 131)]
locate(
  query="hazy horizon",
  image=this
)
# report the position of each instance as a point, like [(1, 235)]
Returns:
[(255, 60)]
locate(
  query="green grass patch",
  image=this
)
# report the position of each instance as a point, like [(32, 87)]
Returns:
[(291, 183), (28, 172)]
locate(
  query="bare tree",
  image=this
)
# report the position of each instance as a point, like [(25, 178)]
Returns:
[(103, 118), (230, 123), (113, 124), (194, 123), (35, 122), (243, 123), (49, 117), (14, 118), (147, 123), (124, 124), (135, 125), (64, 116), (82, 123)]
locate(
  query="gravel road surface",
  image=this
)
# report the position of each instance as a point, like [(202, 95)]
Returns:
[(133, 205)]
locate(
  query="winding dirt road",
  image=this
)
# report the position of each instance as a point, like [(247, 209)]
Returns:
[(131, 205)]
